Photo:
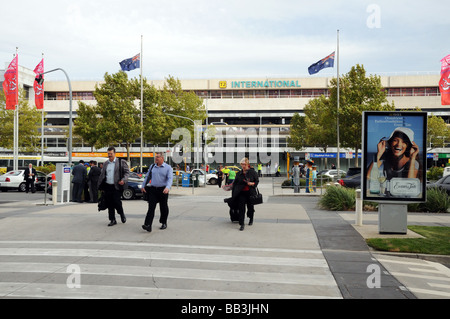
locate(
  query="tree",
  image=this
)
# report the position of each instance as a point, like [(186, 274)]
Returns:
[(297, 136), (86, 125), (357, 93), (119, 117), (29, 125), (437, 132)]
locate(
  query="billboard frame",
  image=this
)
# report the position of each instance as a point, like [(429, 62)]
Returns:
[(385, 126)]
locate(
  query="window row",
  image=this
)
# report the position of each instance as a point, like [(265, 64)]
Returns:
[(243, 94)]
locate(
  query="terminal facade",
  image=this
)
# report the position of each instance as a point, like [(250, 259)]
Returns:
[(254, 107)]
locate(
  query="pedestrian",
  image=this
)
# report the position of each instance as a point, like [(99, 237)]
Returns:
[(79, 173), (244, 186), (259, 169), (113, 177), (226, 173), (93, 176), (29, 176), (314, 175), (219, 176), (156, 185), (87, 197), (296, 176), (231, 176), (309, 176)]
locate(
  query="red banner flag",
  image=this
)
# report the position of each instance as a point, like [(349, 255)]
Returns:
[(444, 83), (38, 85), (11, 84)]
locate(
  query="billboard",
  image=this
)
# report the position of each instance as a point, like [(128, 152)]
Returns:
[(394, 156)]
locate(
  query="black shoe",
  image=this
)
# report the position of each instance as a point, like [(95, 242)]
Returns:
[(250, 222), (147, 228), (242, 228), (163, 226), (123, 218), (112, 223)]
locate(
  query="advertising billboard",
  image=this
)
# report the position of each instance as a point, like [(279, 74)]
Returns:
[(394, 156)]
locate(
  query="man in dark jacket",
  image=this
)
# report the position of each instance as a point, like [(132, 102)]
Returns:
[(244, 186), (29, 176), (79, 173), (93, 176)]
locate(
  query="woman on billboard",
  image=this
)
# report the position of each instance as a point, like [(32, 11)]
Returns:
[(396, 158)]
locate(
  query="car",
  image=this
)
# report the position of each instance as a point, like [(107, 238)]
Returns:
[(201, 175), (353, 171), (13, 180), (330, 173), (443, 183), (134, 188), (354, 181)]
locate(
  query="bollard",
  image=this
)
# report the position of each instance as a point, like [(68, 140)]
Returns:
[(54, 191), (358, 208)]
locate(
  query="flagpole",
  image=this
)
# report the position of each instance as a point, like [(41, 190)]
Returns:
[(337, 116), (16, 120), (42, 127), (142, 106)]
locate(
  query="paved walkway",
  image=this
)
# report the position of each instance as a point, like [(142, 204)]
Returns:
[(293, 250)]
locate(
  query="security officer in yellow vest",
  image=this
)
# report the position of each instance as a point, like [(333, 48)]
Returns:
[(259, 170)]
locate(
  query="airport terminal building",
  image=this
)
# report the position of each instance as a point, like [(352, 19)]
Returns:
[(253, 107)]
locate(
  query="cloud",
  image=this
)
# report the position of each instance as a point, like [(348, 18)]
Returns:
[(211, 39)]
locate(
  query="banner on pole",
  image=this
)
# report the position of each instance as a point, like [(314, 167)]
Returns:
[(38, 85), (11, 84), (444, 83)]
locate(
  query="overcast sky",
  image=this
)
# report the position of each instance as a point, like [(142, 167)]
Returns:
[(211, 39)]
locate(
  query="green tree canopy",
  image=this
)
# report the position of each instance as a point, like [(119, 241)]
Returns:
[(29, 125)]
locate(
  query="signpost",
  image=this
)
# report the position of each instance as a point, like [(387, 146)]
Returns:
[(394, 165)]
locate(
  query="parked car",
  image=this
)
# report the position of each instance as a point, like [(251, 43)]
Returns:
[(353, 171), (201, 175), (13, 180), (134, 188), (353, 181), (330, 173), (443, 183)]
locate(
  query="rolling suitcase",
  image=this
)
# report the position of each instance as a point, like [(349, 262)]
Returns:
[(234, 215)]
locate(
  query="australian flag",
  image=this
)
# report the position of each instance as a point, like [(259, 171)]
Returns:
[(131, 63), (327, 62)]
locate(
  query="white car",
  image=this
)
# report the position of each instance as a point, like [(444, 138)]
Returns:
[(13, 180), (331, 173)]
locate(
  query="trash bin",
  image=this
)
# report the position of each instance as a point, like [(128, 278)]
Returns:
[(185, 179)]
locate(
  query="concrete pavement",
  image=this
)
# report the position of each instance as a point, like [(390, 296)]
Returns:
[(293, 250)]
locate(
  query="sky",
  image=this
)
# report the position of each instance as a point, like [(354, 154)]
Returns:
[(228, 39)]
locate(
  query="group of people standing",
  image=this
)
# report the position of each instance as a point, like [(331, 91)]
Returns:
[(308, 171), (85, 180)]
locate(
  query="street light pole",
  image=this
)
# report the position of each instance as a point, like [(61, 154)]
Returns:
[(70, 111)]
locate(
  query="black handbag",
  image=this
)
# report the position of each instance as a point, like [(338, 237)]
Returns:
[(257, 198)]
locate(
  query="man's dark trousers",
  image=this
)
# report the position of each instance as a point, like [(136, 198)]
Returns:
[(113, 201), (155, 196)]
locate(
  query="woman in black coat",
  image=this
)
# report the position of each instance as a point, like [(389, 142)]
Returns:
[(244, 186)]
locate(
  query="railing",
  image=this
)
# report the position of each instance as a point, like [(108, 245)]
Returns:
[(280, 186)]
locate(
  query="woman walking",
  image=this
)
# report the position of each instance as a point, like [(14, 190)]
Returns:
[(244, 186)]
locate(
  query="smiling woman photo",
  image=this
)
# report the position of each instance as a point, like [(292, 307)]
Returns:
[(396, 156)]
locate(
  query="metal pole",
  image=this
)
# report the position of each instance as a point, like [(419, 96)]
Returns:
[(142, 107), (70, 113), (337, 115)]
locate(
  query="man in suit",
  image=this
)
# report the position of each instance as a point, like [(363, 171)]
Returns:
[(79, 173), (29, 177), (93, 176), (115, 172)]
